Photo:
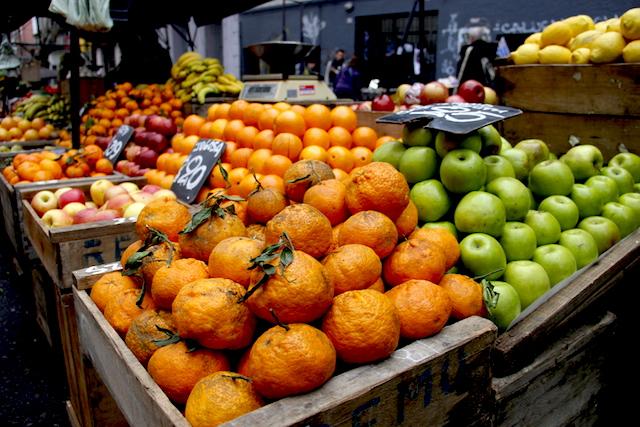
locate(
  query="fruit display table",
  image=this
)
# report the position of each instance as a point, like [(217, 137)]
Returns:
[(430, 381), (569, 104)]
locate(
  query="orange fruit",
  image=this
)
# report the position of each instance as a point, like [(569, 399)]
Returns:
[(176, 370), (289, 122), (42, 175), (232, 129), (267, 117), (246, 136), (240, 157), (205, 130), (318, 116), (122, 309), (169, 279), (211, 112), (340, 175), (287, 144), (231, 259), (30, 135), (304, 174), (208, 311), (231, 147), (378, 285), (252, 113), (237, 109), (248, 184), (24, 125), (313, 152), (365, 137), (345, 117), (340, 137), (352, 267), (273, 182), (222, 112), (220, 397), (424, 308), (316, 136), (38, 123), (200, 242), (8, 122), (407, 221), (308, 229), (54, 168), (328, 197), (277, 165), (301, 293), (341, 158), (372, 229), (216, 179), (109, 286), (167, 216), (290, 359), (263, 139), (257, 160), (143, 333), (378, 186), (256, 232), (300, 109), (265, 204), (465, 295), (363, 326), (362, 156), (235, 177), (414, 259), (384, 140), (444, 239), (282, 106), (217, 128), (192, 124)]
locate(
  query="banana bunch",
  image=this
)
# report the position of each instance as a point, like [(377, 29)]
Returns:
[(193, 76), (52, 108)]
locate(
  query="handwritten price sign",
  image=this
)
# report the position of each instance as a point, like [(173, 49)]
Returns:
[(118, 142), (196, 170), (455, 118)]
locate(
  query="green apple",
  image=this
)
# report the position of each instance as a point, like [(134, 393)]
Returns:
[(480, 212), (418, 164), (606, 186), (632, 200), (636, 188), (442, 224), (534, 202), (416, 136), (545, 226), (604, 231), (391, 153), (491, 140), (621, 176), (551, 177), (514, 195), (587, 199), (628, 161), (518, 241), (584, 161), (552, 156), (563, 209), (557, 261), (462, 171), (481, 254), (529, 279), (519, 160), (505, 145), (431, 200), (581, 244), (505, 302), (446, 142), (498, 166), (624, 217), (536, 150)]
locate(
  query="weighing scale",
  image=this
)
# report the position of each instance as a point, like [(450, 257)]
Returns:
[(277, 80)]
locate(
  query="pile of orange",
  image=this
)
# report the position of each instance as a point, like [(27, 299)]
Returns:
[(47, 165), (274, 290), (15, 128)]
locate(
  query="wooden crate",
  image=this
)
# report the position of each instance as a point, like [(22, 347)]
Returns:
[(570, 103), (368, 118), (439, 380), (520, 344), (64, 249)]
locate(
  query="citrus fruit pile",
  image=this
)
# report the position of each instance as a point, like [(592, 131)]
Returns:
[(578, 40), (249, 301), (16, 128)]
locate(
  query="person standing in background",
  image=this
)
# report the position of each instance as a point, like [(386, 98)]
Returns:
[(333, 68), (349, 81)]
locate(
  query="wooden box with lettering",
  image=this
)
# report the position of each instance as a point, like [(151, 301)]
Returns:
[(444, 379), (65, 249), (566, 104)]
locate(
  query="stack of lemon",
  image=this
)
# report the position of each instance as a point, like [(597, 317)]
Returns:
[(578, 40)]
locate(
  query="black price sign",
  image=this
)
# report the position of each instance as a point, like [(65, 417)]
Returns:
[(196, 170), (456, 118), (118, 142)]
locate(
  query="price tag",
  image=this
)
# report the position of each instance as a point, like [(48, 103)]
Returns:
[(118, 142), (196, 170), (455, 118)]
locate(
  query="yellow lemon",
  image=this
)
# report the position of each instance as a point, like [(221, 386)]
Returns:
[(580, 24), (583, 39), (630, 24), (526, 54), (601, 26), (613, 24), (554, 54), (607, 47), (557, 33), (580, 55), (631, 52), (533, 38)]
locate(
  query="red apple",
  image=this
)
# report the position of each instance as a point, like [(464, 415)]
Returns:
[(56, 218), (455, 99), (59, 191), (165, 195), (119, 203), (412, 95), (130, 187), (131, 151), (147, 158), (150, 188), (472, 91), (73, 208), (84, 216), (106, 215), (114, 191), (121, 165), (364, 106), (382, 103), (98, 190), (43, 202), (156, 141), (102, 142), (434, 92), (70, 196), (142, 197), (162, 125)]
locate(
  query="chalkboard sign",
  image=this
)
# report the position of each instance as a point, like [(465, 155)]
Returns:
[(196, 170), (456, 118), (118, 142)]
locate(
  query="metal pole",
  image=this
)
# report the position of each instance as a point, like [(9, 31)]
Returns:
[(74, 87), (284, 21), (421, 40)]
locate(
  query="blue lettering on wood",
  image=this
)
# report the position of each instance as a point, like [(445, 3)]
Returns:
[(96, 256), (356, 415)]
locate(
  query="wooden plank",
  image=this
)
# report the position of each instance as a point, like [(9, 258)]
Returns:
[(43, 303), (560, 131), (71, 413), (85, 278), (37, 234), (7, 198), (518, 345), (368, 118), (140, 399), (570, 88), (562, 384)]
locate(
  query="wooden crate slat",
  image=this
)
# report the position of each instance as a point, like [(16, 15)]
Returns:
[(368, 118)]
